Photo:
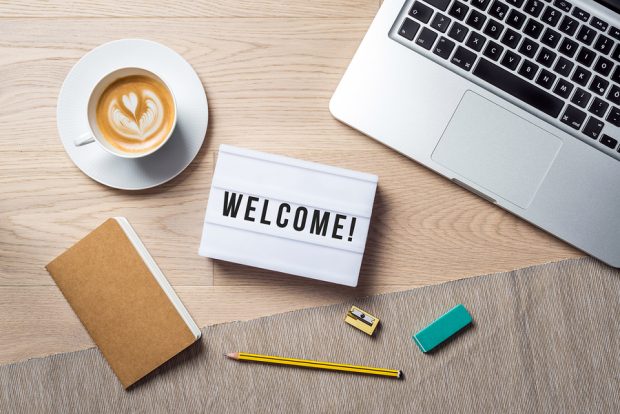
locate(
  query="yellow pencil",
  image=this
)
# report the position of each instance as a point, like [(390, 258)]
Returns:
[(242, 356)]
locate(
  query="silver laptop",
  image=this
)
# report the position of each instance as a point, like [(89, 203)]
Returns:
[(517, 101)]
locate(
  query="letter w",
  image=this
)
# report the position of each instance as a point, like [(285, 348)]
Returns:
[(231, 205)]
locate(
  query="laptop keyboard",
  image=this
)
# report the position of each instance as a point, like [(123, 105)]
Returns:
[(550, 55)]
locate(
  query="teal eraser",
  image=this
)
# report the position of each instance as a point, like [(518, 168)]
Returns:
[(442, 328)]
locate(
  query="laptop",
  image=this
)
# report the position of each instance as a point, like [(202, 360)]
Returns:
[(518, 101)]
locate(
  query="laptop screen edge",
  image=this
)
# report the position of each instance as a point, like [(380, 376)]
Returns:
[(613, 5)]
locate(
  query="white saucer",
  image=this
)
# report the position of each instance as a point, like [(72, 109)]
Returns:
[(177, 153)]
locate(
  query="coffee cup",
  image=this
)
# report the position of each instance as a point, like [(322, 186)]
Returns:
[(131, 113)]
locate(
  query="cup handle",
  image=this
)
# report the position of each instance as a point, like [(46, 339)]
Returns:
[(84, 139)]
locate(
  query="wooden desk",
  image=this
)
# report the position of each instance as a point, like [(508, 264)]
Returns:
[(269, 68)]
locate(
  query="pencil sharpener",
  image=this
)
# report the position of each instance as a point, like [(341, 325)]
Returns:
[(362, 320)]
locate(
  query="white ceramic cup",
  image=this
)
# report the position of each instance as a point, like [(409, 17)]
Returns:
[(95, 135)]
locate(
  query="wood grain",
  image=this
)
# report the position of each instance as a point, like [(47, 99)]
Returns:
[(193, 9), (274, 84), (269, 69)]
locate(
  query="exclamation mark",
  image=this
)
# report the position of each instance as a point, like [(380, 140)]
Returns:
[(353, 220)]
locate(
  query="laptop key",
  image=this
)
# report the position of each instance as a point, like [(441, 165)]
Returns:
[(409, 29), (519, 88), (593, 127), (586, 35), (516, 3), (546, 57), (581, 98), (581, 76), (480, 4), (545, 79), (533, 28), (568, 47), (562, 5), (528, 47), (493, 50), (615, 76), (426, 39), (585, 57), (463, 58), (475, 41), (551, 16), (603, 44), (493, 29), (609, 141), (563, 88), (563, 66), (458, 32), (573, 117), (614, 94), (615, 55), (443, 48), (599, 24), (440, 22), (568, 25), (603, 66), (458, 10), (511, 38), (599, 85), (528, 69), (614, 116), (498, 10), (614, 32), (533, 7), (581, 14), (550, 37), (510, 60), (475, 19), (440, 4), (598, 107), (515, 19), (421, 12)]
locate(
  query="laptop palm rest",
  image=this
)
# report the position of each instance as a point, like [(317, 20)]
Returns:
[(497, 150)]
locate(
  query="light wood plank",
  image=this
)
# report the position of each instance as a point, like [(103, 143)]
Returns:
[(48, 325), (46, 210), (411, 237), (37, 321), (190, 8), (271, 87)]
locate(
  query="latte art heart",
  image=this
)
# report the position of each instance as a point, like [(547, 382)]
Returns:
[(131, 102), (135, 125), (135, 113)]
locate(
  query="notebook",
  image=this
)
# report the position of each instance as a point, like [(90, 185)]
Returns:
[(123, 300)]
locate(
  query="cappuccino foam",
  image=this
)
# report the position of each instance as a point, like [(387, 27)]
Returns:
[(135, 114)]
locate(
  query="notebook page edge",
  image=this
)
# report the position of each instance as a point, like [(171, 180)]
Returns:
[(158, 275)]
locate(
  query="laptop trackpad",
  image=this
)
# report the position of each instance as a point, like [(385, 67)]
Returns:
[(496, 149)]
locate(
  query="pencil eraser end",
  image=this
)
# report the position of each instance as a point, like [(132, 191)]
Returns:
[(442, 328)]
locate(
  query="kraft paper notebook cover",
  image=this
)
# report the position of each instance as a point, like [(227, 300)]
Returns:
[(123, 300)]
